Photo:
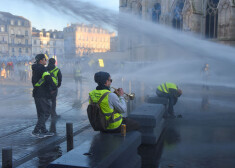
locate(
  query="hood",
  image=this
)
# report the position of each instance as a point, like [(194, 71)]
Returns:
[(36, 67), (50, 67)]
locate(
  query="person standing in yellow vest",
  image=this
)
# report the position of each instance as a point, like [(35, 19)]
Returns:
[(172, 92), (112, 102), (57, 79), (43, 88)]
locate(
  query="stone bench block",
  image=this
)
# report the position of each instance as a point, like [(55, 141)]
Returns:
[(101, 151), (148, 114), (151, 130), (134, 161), (157, 100)]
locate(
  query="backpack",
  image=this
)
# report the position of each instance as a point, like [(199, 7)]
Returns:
[(96, 116)]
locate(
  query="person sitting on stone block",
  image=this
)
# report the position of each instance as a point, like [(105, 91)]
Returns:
[(113, 102)]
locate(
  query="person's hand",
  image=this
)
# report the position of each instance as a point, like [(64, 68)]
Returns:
[(120, 92)]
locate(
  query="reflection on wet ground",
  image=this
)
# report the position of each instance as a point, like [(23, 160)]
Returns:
[(45, 157), (199, 139)]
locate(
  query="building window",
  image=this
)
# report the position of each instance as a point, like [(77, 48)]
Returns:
[(211, 19), (2, 29), (54, 43), (12, 41), (26, 33), (12, 31), (20, 50), (34, 42), (177, 21), (19, 32), (41, 43), (13, 49), (26, 41), (27, 50), (12, 22), (19, 23), (156, 12)]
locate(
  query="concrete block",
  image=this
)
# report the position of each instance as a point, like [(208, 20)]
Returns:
[(157, 100), (100, 151), (153, 136), (151, 130), (148, 114), (129, 162)]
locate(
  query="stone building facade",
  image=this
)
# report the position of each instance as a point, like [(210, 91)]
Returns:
[(212, 19), (48, 42), (15, 36), (82, 40)]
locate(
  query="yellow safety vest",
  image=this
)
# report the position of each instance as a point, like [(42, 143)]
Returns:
[(77, 73), (116, 121), (166, 86), (42, 80), (54, 75)]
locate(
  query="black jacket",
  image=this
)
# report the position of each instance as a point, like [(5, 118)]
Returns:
[(47, 87), (51, 67)]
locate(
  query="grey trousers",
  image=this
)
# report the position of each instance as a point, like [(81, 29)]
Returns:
[(53, 105), (172, 100), (43, 106)]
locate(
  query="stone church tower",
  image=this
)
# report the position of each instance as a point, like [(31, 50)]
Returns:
[(212, 19)]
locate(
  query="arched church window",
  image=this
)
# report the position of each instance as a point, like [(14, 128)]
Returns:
[(211, 19), (177, 21), (156, 12)]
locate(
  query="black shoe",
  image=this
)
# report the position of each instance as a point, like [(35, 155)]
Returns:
[(46, 134), (35, 133), (179, 116)]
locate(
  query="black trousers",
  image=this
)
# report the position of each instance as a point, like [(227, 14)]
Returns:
[(43, 107), (172, 100), (131, 125)]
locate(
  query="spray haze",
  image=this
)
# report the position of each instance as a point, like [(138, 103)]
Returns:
[(176, 56)]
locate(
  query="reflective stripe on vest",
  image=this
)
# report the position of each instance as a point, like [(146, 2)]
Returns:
[(42, 80), (116, 120), (54, 75), (166, 86), (78, 73)]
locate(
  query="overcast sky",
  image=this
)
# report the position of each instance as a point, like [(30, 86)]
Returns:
[(41, 18)]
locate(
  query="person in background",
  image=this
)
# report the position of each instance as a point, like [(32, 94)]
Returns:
[(43, 89), (172, 92), (57, 79)]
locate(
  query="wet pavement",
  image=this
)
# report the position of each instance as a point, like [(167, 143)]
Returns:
[(203, 138), (18, 118)]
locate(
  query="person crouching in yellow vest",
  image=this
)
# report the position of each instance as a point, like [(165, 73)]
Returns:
[(112, 102), (172, 92)]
